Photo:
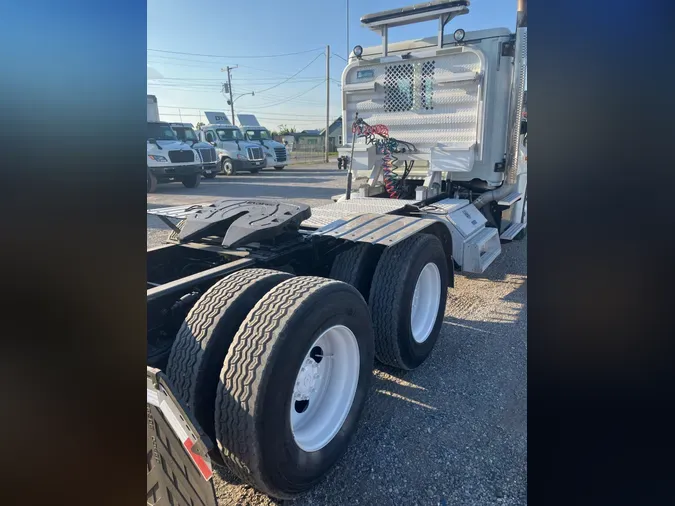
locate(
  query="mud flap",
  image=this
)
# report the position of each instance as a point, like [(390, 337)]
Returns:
[(179, 469)]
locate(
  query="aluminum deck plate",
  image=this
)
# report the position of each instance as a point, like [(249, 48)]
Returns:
[(347, 209), (385, 229)]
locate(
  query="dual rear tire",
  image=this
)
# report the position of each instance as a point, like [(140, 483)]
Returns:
[(276, 368)]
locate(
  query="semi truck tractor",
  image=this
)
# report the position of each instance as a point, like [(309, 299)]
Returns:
[(234, 153), (186, 133), (168, 158), (265, 317), (276, 152)]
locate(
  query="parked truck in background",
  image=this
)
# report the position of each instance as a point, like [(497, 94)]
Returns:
[(276, 152), (207, 153), (234, 153)]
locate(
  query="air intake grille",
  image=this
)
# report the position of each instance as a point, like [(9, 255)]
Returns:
[(181, 156), (255, 154), (208, 155), (280, 154)]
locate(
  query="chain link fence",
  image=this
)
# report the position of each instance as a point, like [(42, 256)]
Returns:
[(307, 154)]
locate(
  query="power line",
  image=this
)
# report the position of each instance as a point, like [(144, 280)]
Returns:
[(343, 59), (288, 100), (215, 108), (241, 56), (285, 81)]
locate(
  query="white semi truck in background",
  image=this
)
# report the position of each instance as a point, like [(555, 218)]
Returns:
[(168, 158), (276, 152), (234, 153), (186, 133)]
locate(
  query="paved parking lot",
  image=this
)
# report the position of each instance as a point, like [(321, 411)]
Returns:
[(452, 432)]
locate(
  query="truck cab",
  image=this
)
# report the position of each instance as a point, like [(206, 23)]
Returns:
[(186, 133), (234, 153), (169, 158), (276, 152)]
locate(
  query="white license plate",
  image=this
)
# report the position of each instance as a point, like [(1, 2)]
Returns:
[(257, 163), (207, 172)]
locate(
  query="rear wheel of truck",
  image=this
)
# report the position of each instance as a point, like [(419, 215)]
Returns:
[(227, 167), (202, 342), (293, 384), (192, 181), (152, 182), (278, 167), (407, 300), (355, 267)]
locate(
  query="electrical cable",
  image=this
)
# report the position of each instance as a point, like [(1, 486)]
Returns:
[(386, 146), (288, 79), (234, 57)]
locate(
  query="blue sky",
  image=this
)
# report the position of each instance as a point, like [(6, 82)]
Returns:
[(238, 30)]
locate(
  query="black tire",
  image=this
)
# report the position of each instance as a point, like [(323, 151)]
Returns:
[(253, 427), (152, 182), (192, 181), (227, 167), (210, 176), (279, 167), (391, 296), (203, 340), (356, 266)]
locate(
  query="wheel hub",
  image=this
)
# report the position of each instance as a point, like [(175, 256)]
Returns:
[(305, 384), (425, 302), (324, 388)]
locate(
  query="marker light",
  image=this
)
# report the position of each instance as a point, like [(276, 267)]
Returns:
[(459, 35)]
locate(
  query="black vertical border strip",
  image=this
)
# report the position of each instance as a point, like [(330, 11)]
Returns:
[(600, 251), (72, 261)]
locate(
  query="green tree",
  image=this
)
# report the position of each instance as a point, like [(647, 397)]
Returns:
[(199, 125), (285, 130)]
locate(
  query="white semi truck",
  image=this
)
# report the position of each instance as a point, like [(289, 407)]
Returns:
[(169, 158), (234, 152), (264, 316), (186, 133), (276, 152)]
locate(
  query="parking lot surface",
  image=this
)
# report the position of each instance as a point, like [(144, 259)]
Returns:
[(453, 431)]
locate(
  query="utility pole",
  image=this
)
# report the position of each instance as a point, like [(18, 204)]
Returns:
[(229, 88), (348, 48), (327, 100)]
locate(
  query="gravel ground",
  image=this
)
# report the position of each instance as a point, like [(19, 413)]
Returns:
[(452, 432)]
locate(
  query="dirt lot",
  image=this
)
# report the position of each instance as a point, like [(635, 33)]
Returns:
[(454, 431)]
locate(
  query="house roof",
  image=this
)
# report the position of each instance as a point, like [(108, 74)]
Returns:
[(338, 120)]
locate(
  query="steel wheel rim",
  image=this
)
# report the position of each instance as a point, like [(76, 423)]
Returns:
[(324, 388), (425, 303)]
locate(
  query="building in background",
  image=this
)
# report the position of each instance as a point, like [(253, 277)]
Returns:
[(314, 139), (334, 135)]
